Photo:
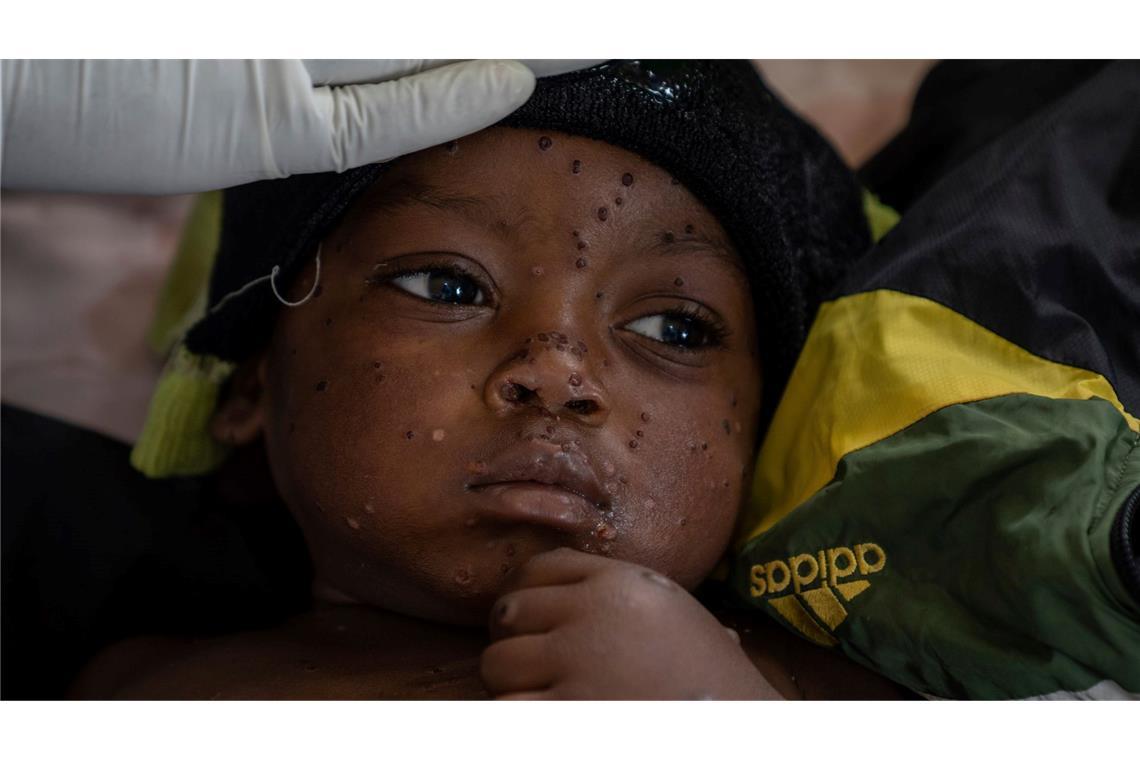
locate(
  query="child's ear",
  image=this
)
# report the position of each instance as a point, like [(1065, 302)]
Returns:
[(240, 415)]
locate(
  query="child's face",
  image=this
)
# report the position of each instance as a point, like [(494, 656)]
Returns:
[(520, 342)]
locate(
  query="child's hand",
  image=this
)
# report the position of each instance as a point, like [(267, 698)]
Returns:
[(581, 626)]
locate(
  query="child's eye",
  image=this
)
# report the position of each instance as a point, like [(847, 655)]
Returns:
[(679, 328), (441, 285)]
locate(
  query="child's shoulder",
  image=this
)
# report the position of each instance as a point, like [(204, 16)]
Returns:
[(331, 653), (365, 653)]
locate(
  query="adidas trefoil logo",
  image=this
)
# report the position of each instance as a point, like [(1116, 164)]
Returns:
[(829, 568)]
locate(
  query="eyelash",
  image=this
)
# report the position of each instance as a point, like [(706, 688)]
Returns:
[(387, 278), (715, 328)]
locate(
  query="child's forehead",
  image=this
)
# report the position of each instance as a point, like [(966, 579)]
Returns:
[(503, 149), (508, 165), (509, 179)]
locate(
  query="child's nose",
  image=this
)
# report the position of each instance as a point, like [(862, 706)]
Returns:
[(551, 377)]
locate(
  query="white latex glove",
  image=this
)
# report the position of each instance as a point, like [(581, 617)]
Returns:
[(170, 126)]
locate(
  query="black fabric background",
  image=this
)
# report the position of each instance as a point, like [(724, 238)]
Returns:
[(1035, 235), (94, 552)]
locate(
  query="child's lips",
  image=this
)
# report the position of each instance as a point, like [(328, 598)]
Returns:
[(537, 504), (542, 484)]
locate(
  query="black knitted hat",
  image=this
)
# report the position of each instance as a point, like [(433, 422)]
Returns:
[(791, 207)]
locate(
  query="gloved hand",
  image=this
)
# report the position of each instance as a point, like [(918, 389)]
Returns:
[(175, 126)]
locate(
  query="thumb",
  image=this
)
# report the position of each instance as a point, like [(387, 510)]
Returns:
[(374, 122)]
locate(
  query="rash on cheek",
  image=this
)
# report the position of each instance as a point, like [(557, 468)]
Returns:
[(687, 477)]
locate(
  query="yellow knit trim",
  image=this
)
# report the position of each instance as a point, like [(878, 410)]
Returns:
[(881, 217), (176, 438), (182, 301)]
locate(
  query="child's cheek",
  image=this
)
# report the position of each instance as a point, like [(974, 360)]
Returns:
[(368, 451), (689, 478), (367, 409)]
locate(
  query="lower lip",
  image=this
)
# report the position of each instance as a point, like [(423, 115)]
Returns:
[(538, 503)]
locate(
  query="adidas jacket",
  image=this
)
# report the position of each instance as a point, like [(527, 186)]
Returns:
[(950, 490)]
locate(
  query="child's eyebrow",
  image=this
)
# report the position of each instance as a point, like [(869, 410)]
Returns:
[(665, 243), (490, 212), (407, 191)]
